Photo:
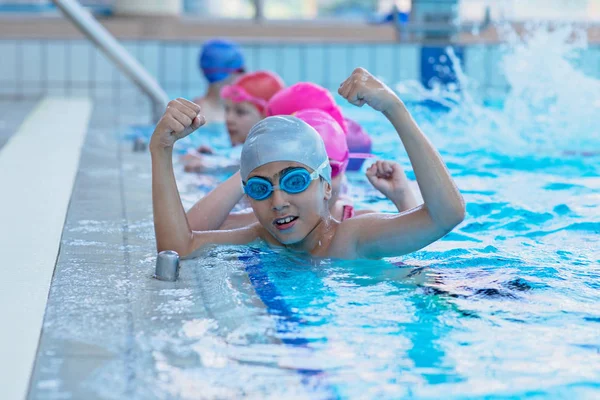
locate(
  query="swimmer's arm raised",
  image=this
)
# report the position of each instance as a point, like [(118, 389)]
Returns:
[(442, 199), (170, 221), (443, 208)]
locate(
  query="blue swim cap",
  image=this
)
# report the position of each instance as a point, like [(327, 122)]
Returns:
[(220, 58)]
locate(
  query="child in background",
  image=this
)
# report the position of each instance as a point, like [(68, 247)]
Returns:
[(245, 104), (221, 61), (303, 95), (336, 146)]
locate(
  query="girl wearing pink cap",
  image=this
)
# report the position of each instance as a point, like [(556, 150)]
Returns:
[(303, 95), (336, 146), (246, 102)]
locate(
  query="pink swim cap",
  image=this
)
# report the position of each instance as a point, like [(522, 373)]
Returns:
[(330, 131), (303, 95)]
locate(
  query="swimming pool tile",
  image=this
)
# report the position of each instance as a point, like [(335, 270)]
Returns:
[(31, 90), (249, 51), (9, 66), (104, 71), (74, 254), (148, 54), (337, 68), (408, 62), (155, 299), (133, 48), (33, 63), (193, 84), (104, 92), (56, 67), (266, 58), (361, 55), (314, 68), (57, 377), (292, 63), (383, 65), (171, 67), (81, 58), (88, 234)]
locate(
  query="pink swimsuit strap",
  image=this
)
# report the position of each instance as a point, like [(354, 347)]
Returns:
[(347, 212)]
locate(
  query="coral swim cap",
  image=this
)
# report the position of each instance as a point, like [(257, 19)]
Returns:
[(330, 131), (284, 138), (255, 87), (220, 58), (305, 95)]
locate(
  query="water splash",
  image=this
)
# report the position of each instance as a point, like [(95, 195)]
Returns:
[(551, 101), (550, 104)]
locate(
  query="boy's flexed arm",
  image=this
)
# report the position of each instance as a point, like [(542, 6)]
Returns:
[(181, 118), (384, 235), (171, 226)]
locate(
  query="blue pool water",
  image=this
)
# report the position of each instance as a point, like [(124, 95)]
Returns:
[(505, 306)]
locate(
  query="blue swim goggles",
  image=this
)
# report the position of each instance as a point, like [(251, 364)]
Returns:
[(294, 181)]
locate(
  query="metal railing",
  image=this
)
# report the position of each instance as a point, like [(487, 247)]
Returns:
[(96, 33)]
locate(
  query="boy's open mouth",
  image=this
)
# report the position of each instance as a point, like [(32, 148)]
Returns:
[(285, 222)]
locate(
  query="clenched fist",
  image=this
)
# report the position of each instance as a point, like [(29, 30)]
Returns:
[(181, 118), (388, 177), (362, 88)]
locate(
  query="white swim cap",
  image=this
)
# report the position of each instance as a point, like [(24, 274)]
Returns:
[(284, 138)]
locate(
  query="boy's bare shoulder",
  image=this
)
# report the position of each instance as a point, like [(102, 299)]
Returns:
[(349, 232), (344, 241)]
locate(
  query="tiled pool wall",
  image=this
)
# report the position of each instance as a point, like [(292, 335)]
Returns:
[(32, 68)]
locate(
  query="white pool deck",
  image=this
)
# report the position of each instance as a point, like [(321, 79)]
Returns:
[(38, 165)]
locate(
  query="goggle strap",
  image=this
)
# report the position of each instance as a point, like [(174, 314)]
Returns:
[(322, 166)]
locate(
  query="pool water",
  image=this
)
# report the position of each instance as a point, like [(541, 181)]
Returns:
[(505, 306)]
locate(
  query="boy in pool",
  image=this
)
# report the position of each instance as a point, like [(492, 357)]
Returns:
[(245, 104), (289, 186), (221, 61), (340, 206)]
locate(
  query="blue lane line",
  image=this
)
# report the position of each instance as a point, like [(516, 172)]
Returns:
[(270, 296)]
